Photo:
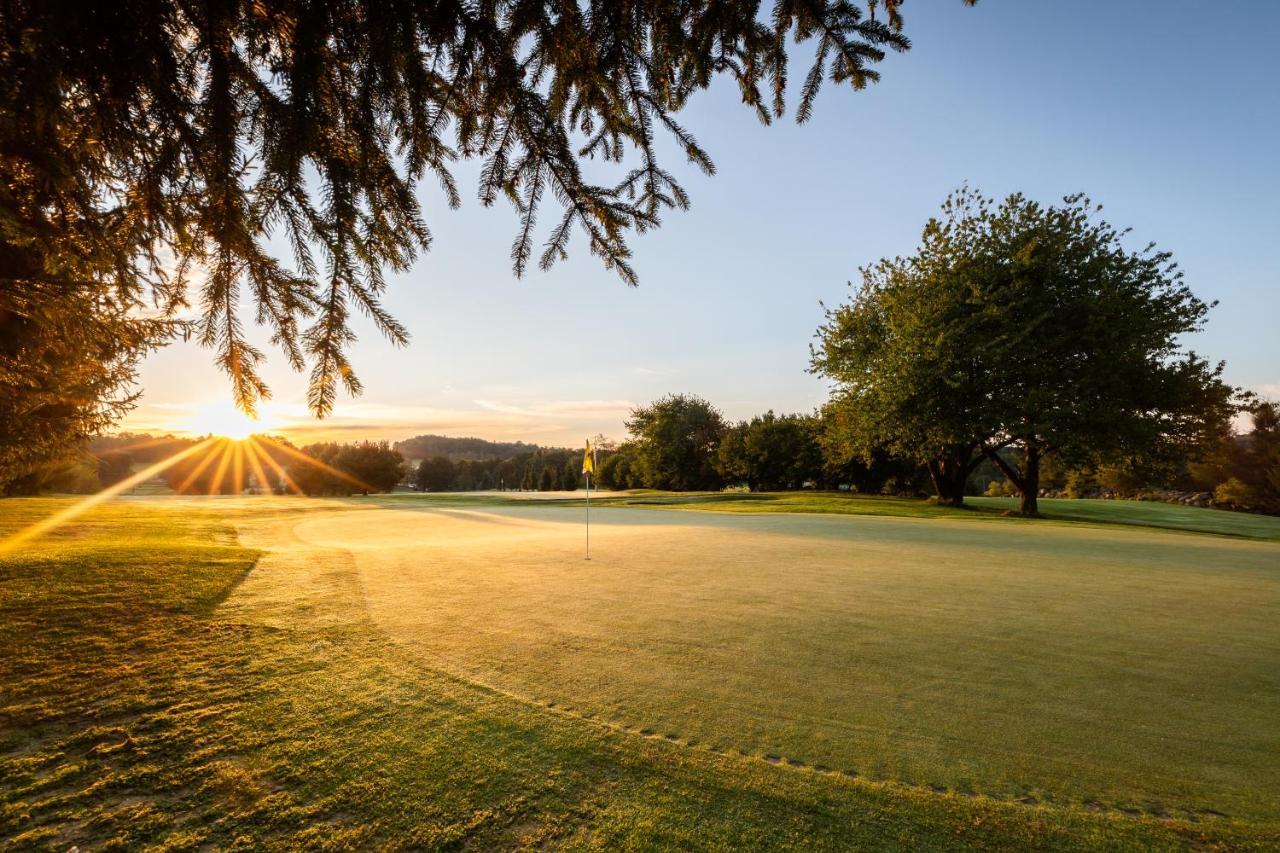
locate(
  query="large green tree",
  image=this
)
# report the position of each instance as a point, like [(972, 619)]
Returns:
[(435, 474), (771, 452), (1019, 325), (675, 440)]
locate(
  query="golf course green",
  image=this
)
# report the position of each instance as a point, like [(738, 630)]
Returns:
[(284, 672)]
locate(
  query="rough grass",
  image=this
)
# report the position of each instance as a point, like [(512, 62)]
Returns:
[(158, 689), (1150, 514)]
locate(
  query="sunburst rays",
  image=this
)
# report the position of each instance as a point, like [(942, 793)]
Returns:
[(58, 519), (232, 461)]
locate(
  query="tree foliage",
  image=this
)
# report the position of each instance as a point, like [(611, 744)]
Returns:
[(461, 449), (1244, 470), (1025, 326), (151, 149), (344, 469), (620, 469), (675, 440), (771, 452), (435, 474), (68, 358), (114, 467)]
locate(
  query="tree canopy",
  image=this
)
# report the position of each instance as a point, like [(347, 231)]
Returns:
[(366, 466), (771, 452), (1025, 326), (435, 474), (675, 443), (152, 145)]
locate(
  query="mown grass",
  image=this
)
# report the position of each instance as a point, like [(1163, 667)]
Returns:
[(163, 687), (1054, 662)]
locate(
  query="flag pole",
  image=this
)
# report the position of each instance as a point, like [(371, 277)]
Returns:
[(588, 468)]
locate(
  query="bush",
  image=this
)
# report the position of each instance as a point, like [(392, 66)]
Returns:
[(1079, 483), (1237, 494), (1001, 489), (1124, 480)]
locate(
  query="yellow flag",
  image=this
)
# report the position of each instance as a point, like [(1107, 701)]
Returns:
[(588, 462)]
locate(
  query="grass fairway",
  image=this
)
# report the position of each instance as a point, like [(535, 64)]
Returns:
[(1130, 513), (262, 672)]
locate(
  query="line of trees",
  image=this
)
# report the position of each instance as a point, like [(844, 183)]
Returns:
[(682, 442), (356, 468), (276, 466), (459, 449), (540, 469)]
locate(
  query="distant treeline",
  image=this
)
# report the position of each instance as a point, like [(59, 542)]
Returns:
[(264, 464), (464, 449), (541, 469), (682, 443), (272, 464), (105, 461)]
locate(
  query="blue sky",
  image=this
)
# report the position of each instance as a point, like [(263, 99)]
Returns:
[(1168, 114)]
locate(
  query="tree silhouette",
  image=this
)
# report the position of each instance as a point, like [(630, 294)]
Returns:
[(146, 145)]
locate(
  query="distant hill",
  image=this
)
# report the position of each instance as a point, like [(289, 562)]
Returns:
[(458, 449)]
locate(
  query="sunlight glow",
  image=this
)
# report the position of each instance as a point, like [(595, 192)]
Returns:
[(275, 466), (232, 459), (328, 469), (58, 519), (222, 418)]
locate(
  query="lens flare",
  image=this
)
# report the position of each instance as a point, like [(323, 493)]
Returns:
[(232, 459), (58, 519), (222, 418), (275, 466)]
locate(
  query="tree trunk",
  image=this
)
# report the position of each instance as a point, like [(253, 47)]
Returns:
[(1030, 486), (949, 473), (942, 485), (1027, 481)]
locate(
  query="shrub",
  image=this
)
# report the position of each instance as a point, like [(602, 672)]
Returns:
[(1236, 493), (1000, 489), (1079, 483)]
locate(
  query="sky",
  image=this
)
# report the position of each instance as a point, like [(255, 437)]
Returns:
[(1167, 114)]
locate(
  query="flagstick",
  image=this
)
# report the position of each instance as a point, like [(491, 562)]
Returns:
[(588, 515)]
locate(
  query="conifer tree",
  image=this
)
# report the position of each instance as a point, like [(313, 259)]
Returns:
[(570, 476), (149, 149)]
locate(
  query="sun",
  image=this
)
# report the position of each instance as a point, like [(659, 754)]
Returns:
[(224, 420)]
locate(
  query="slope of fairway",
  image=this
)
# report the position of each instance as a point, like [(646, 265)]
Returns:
[(1105, 667)]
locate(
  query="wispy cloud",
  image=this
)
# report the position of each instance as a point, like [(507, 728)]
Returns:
[(548, 422), (582, 409)]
